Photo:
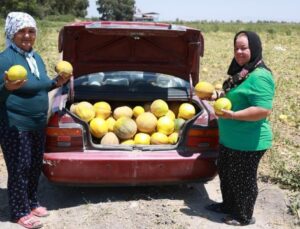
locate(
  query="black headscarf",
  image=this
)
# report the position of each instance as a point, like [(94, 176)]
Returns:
[(237, 74)]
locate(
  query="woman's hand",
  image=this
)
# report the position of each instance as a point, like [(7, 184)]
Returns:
[(12, 85), (62, 78), (248, 114), (214, 96), (227, 114)]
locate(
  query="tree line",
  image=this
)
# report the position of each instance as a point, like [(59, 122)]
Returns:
[(120, 10)]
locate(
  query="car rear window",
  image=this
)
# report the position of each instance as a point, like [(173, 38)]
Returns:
[(131, 79)]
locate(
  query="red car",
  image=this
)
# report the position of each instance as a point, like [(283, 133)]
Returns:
[(130, 63)]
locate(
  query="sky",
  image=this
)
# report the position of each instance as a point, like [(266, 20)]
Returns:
[(220, 10)]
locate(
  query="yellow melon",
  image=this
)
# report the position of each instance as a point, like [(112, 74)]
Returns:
[(165, 125), (146, 122), (178, 124), (173, 138), (128, 142), (17, 72), (171, 114), (102, 109), (125, 128), (137, 110), (158, 138), (222, 103), (110, 123), (109, 139), (123, 111), (64, 67), (98, 127), (159, 107), (186, 111), (73, 108), (204, 90), (85, 111), (142, 139)]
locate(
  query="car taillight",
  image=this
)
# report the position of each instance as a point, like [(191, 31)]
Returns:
[(202, 138), (203, 134), (63, 134), (64, 139)]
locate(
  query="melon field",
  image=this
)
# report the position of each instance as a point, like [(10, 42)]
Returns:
[(281, 52)]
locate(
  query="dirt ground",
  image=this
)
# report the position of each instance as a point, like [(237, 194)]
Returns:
[(177, 206)]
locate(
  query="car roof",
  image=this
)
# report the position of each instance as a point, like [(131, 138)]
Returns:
[(98, 46)]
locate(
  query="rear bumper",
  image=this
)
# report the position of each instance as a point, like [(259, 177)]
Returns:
[(127, 168)]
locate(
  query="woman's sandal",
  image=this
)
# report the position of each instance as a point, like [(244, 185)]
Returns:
[(40, 212), (233, 222), (218, 207), (29, 221)]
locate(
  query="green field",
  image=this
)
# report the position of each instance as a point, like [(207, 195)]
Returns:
[(281, 45)]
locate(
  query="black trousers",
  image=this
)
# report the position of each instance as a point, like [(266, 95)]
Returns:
[(23, 155), (238, 180)]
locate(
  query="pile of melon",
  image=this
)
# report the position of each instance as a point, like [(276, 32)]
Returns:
[(154, 123)]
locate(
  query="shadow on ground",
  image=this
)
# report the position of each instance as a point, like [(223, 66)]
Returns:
[(56, 197)]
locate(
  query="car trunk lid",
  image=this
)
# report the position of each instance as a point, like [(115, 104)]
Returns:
[(132, 46)]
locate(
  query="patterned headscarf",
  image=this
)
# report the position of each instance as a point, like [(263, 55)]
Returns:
[(16, 21), (237, 74)]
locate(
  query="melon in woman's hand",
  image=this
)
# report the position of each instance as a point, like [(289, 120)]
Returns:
[(222, 103), (17, 72), (64, 68)]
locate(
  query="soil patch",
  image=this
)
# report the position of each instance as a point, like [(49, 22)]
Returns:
[(176, 206)]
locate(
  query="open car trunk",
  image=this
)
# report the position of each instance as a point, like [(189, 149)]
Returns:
[(128, 64), (95, 142), (94, 48)]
